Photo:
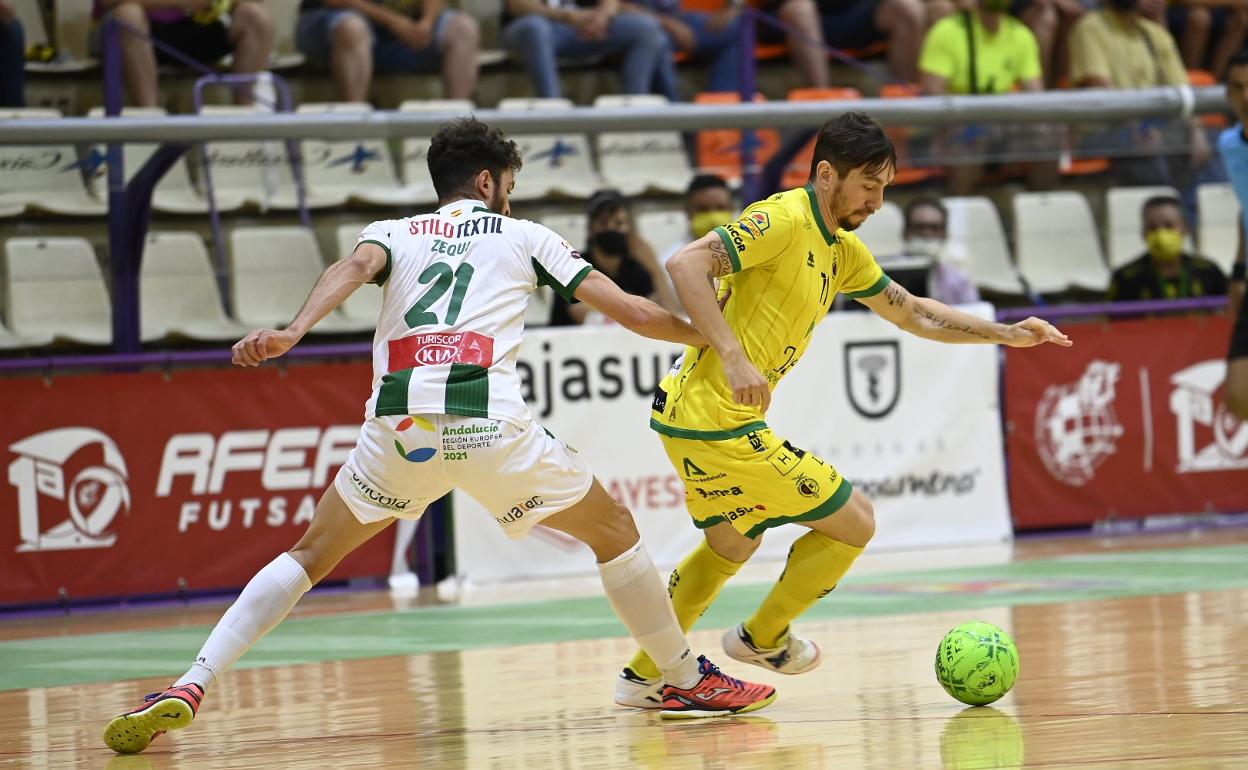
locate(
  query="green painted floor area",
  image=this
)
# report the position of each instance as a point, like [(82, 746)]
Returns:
[(111, 657)]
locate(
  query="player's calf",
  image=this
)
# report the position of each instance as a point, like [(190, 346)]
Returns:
[(161, 712)]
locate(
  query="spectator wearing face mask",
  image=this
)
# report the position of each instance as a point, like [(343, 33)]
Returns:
[(619, 251), (1166, 272), (926, 237), (708, 204)]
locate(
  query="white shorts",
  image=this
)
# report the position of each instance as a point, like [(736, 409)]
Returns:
[(402, 464)]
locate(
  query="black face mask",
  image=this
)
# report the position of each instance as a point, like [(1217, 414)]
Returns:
[(611, 242), (1124, 6)]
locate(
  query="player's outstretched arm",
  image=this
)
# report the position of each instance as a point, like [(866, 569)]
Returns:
[(637, 314), (693, 270), (937, 321), (339, 281)]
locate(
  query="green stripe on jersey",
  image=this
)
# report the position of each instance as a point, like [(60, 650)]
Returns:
[(392, 396), (468, 391), (872, 290)]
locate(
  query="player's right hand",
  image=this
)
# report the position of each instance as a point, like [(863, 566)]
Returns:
[(261, 345), (749, 387)]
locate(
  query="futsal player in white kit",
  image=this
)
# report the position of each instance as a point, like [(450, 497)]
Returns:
[(446, 411)]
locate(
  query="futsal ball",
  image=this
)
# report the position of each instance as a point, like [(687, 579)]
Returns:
[(982, 738), (977, 663)]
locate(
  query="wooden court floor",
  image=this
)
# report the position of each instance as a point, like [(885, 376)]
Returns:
[(1132, 656)]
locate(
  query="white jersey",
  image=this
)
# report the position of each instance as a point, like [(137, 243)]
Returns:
[(455, 287)]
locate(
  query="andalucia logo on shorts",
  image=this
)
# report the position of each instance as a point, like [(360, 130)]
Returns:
[(419, 454)]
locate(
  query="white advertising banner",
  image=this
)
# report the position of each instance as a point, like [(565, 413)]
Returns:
[(913, 424)]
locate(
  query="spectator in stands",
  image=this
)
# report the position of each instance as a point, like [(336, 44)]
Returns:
[(701, 34), (708, 204), (203, 30), (618, 250), (352, 38), (984, 51), (1195, 23), (848, 24), (540, 33), (1165, 272), (12, 58), (926, 237), (1051, 21), (1118, 48), (1233, 147)]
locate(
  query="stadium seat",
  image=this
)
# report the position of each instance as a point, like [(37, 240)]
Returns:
[(664, 230), (1124, 238), (719, 149), (285, 19), (55, 289), (797, 172), (642, 161), (73, 21), (882, 230), (1219, 223), (174, 193), (1058, 246), (11, 341), (365, 303), (178, 291), (571, 226), (553, 163), (360, 171), (47, 177), (274, 269), (258, 171), (975, 226), (416, 179), (900, 135)]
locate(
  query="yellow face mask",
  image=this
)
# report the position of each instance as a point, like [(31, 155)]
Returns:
[(705, 221), (1165, 243)]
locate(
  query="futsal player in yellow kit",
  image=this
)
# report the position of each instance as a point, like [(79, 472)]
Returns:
[(779, 267)]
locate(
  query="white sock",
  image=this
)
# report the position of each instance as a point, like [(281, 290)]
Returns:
[(640, 600), (266, 600)]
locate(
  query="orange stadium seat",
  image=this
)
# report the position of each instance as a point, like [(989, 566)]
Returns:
[(798, 170), (719, 149), (1200, 78), (901, 137)]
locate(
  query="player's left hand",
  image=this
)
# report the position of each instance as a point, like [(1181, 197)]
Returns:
[(261, 345), (1035, 331)]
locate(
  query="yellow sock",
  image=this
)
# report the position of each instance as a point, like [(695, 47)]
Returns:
[(816, 563), (693, 586)]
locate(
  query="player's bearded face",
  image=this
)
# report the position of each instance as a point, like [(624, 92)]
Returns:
[(500, 198)]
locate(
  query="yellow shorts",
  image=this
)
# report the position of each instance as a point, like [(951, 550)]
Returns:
[(755, 482)]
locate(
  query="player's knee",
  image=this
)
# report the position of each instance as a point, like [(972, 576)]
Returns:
[(610, 532), (858, 519)]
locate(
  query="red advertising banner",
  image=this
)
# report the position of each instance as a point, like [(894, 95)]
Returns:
[(129, 484), (1128, 423)]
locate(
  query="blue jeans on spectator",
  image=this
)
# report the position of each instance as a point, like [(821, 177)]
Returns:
[(12, 64), (314, 39), (540, 41), (723, 48)]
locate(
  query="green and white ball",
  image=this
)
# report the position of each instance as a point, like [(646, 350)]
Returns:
[(977, 663)]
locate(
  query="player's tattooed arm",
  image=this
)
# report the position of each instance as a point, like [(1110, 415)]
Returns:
[(939, 321), (721, 261), (896, 295)]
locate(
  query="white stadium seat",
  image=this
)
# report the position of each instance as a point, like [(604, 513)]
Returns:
[(975, 226), (47, 177), (258, 171), (55, 289), (11, 341), (274, 269), (178, 291), (1124, 223), (361, 170), (571, 226), (1058, 247), (664, 230), (365, 304), (174, 193), (882, 230), (416, 179), (642, 161), (553, 163), (73, 20), (1219, 223)]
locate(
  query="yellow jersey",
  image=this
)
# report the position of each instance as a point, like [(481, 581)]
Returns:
[(788, 266)]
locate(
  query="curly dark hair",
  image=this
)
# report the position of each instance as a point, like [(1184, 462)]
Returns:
[(464, 148)]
